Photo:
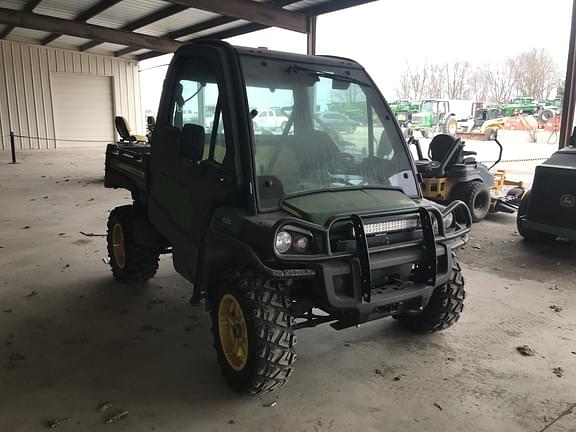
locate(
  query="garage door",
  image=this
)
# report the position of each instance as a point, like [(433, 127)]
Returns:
[(83, 109)]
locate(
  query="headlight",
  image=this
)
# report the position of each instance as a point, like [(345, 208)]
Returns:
[(283, 242), (301, 244), (449, 220)]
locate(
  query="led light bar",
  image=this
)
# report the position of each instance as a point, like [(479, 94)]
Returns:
[(391, 226)]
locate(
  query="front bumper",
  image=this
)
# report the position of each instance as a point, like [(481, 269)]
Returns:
[(550, 229), (363, 285)]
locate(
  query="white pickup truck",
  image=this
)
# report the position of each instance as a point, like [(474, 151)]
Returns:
[(270, 119)]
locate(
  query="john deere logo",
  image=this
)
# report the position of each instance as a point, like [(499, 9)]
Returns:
[(567, 200)]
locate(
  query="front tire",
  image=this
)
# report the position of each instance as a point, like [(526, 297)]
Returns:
[(476, 195), (130, 262), (253, 335), (444, 308)]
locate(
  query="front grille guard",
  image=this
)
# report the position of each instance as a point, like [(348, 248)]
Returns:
[(427, 271)]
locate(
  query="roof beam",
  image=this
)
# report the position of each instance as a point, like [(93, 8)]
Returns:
[(142, 22), (314, 10), (224, 34), (332, 6), (87, 31), (29, 7), (205, 25), (260, 13), (196, 28), (91, 12)]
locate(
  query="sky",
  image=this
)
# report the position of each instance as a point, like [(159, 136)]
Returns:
[(384, 35)]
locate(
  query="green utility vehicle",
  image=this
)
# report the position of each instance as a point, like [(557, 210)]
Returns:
[(403, 110), (279, 232), (433, 118), (548, 210), (520, 105)]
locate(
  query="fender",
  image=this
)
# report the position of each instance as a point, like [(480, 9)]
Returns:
[(217, 251)]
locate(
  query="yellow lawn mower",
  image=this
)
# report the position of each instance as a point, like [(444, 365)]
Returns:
[(451, 173)]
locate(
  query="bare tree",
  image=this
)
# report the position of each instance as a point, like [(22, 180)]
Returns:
[(536, 73), (477, 83), (413, 81), (560, 88), (404, 90), (354, 94), (456, 78), (501, 81), (436, 82)]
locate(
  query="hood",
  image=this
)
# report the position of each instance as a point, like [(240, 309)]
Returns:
[(319, 207)]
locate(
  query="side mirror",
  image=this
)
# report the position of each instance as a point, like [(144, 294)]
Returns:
[(150, 122), (572, 142)]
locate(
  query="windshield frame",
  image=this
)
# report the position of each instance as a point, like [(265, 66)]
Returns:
[(333, 68)]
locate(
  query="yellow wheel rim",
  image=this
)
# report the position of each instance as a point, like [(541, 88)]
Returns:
[(118, 245), (232, 330)]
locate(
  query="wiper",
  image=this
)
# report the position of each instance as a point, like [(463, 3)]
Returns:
[(330, 75), (339, 189)]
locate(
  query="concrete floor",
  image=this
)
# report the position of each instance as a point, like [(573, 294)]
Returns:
[(72, 339)]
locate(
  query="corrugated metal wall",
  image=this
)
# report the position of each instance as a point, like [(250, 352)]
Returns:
[(25, 91)]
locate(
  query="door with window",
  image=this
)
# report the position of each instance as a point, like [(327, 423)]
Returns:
[(191, 162)]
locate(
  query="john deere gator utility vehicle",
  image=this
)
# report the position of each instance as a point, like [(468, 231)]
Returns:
[(548, 210), (286, 230)]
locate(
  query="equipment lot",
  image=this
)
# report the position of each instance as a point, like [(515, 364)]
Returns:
[(73, 339)]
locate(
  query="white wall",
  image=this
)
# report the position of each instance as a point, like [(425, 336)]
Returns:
[(26, 97)]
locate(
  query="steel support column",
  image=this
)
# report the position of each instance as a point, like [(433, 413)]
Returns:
[(569, 87), (311, 35)]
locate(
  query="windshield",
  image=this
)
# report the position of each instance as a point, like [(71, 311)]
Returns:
[(333, 132), (427, 106)]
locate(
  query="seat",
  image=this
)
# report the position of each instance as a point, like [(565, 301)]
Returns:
[(315, 151), (192, 140), (124, 131), (275, 157), (441, 145), (445, 151)]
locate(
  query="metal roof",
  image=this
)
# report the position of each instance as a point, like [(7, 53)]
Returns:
[(154, 23)]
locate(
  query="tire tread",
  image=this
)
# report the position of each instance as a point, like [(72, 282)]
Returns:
[(141, 262)]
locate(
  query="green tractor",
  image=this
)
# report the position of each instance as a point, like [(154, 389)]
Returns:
[(403, 110), (520, 105), (433, 118)]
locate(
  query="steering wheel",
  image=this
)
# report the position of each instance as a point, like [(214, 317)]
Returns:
[(334, 179)]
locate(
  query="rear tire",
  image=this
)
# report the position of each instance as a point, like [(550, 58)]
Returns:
[(476, 195), (451, 126), (265, 332), (130, 262), (527, 233), (545, 115), (516, 192), (444, 308)]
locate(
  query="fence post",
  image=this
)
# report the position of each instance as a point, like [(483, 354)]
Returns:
[(12, 147)]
